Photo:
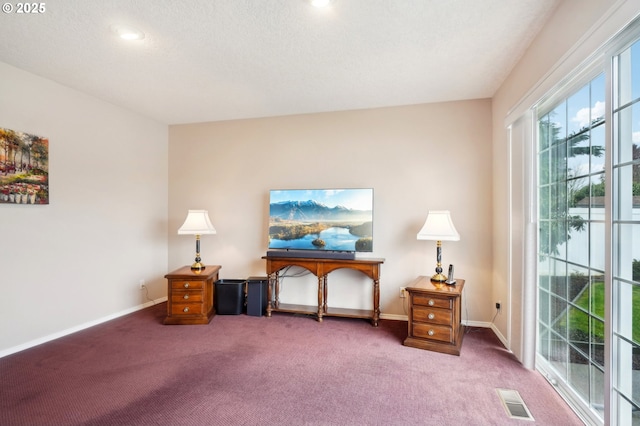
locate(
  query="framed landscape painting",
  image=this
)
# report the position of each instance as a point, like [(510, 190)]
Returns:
[(24, 168)]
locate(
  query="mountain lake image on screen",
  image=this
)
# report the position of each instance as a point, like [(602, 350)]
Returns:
[(321, 219)]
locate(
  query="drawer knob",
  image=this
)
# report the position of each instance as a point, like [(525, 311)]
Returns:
[(186, 285), (186, 309), (431, 332), (431, 302), (186, 296), (430, 316)]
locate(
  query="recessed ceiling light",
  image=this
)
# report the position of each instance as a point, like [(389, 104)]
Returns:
[(127, 33), (320, 3)]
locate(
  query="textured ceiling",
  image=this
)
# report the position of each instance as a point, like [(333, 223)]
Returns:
[(209, 60)]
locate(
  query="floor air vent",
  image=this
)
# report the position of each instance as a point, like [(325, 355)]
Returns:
[(514, 405)]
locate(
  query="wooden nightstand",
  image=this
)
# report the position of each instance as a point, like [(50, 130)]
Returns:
[(190, 295), (434, 316)]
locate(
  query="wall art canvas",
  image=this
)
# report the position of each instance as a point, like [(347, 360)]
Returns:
[(24, 168)]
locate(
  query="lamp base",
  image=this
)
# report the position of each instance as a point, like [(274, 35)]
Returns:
[(439, 278), (197, 268)]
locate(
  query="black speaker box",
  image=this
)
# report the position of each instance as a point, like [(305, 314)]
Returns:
[(229, 297), (257, 296)]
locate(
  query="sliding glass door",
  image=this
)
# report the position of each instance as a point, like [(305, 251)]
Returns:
[(588, 178), (571, 254), (626, 236)]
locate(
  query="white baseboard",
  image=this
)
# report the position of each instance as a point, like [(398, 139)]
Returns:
[(86, 325), (394, 317), (502, 339), (77, 328), (482, 324)]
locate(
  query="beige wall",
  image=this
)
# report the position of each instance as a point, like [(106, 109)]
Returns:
[(78, 260), (416, 158)]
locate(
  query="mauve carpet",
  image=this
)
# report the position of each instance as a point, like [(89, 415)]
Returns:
[(244, 370)]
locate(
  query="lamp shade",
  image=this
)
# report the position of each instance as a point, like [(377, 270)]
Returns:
[(197, 223), (438, 227)]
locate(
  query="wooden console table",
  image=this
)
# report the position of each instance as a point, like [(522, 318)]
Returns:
[(321, 268)]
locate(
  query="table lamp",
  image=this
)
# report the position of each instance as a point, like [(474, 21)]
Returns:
[(439, 227), (197, 223)]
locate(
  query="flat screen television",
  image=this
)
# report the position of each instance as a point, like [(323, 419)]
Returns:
[(338, 220)]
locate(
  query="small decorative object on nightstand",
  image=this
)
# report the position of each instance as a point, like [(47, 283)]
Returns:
[(190, 295), (435, 316)]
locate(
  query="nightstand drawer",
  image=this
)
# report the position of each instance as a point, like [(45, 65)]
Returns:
[(176, 284), (184, 296), (433, 315), (432, 301), (433, 332), (186, 309)]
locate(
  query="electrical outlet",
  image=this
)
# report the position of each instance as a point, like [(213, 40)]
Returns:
[(403, 292), (142, 284), (498, 306)]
